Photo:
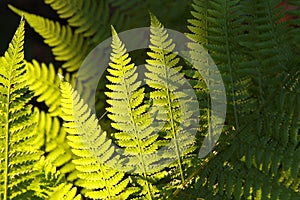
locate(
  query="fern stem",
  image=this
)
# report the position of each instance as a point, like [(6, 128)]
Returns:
[(106, 183), (174, 136), (7, 123), (6, 147), (172, 121), (229, 62)]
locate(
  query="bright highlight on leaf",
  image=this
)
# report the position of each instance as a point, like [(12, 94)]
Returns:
[(92, 148)]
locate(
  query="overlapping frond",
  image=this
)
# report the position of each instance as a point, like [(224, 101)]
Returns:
[(65, 45), (52, 184), (171, 94), (44, 82), (53, 141), (130, 116), (93, 149), (18, 151), (264, 145), (89, 17)]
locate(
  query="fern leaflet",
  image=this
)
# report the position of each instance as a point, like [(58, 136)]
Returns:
[(66, 46)]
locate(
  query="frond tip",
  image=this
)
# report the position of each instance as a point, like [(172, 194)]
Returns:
[(61, 77)]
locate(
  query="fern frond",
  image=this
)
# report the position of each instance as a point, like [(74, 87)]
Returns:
[(93, 149), (18, 152), (47, 181), (219, 32), (129, 114), (170, 94), (44, 82), (66, 46), (265, 34), (85, 16), (259, 147), (199, 25), (54, 143), (94, 25)]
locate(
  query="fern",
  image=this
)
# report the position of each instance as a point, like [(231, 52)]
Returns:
[(256, 157), (17, 137), (82, 15), (171, 95), (93, 149), (241, 159), (130, 116), (50, 183), (91, 27), (43, 81), (54, 144), (66, 46)]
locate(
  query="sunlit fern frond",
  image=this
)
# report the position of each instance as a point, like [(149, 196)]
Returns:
[(65, 192), (44, 82), (130, 117), (18, 151), (54, 143), (48, 181), (93, 149), (171, 94)]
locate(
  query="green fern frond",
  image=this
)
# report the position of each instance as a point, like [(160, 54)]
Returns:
[(66, 46), (93, 149), (239, 180), (84, 15), (129, 114), (168, 82), (18, 152), (54, 143), (199, 35), (199, 25), (47, 181), (265, 34), (219, 32), (44, 82), (259, 148), (94, 25)]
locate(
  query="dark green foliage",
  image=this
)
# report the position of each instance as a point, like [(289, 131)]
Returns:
[(257, 60)]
